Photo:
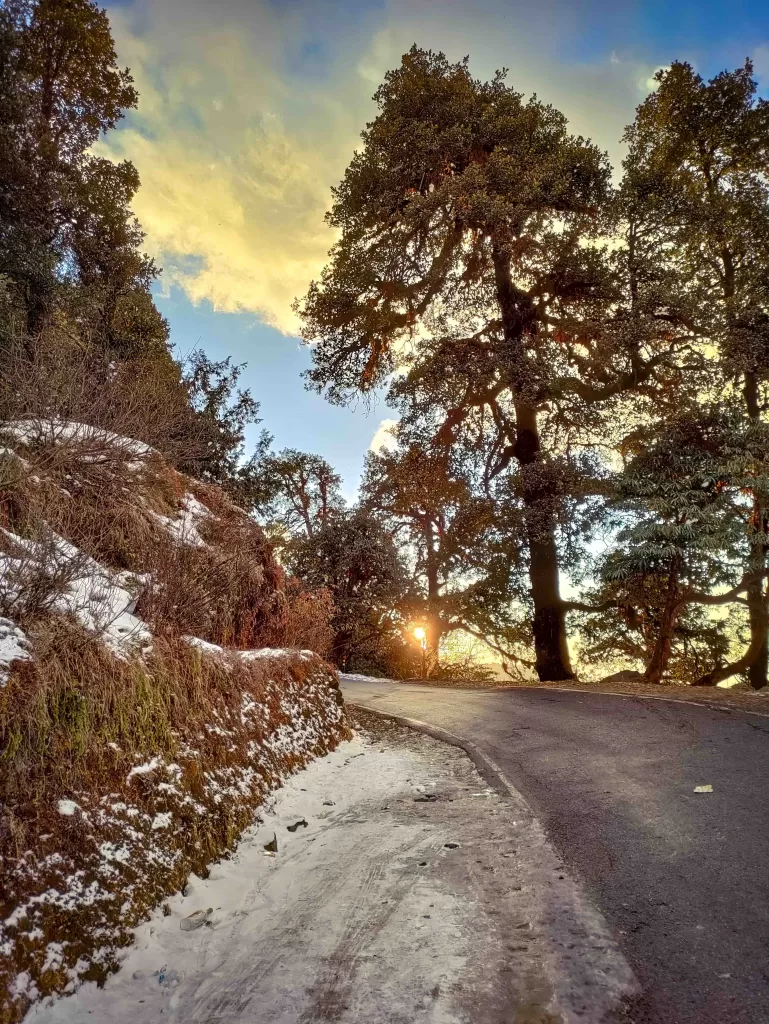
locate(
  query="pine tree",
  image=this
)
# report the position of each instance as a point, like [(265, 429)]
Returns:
[(698, 157), (682, 542), (62, 90), (354, 557), (467, 258)]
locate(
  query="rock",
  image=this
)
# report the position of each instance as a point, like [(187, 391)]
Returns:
[(297, 824), (272, 846), (166, 978), (195, 920), (426, 798)]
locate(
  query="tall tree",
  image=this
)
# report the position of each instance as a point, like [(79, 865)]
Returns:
[(60, 69), (698, 161), (681, 543), (297, 491), (467, 220), (355, 559)]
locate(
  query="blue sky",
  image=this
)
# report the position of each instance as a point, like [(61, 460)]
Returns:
[(250, 110)]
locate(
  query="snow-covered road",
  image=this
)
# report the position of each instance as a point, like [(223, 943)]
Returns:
[(414, 894)]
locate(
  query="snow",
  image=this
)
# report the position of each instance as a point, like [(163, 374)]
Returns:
[(204, 645), (145, 769), (382, 908), (98, 598), (53, 431), (354, 677), (67, 807), (184, 528), (14, 646), (252, 655), (267, 908), (274, 652)]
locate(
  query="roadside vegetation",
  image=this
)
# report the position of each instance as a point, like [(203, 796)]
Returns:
[(160, 671), (579, 362)]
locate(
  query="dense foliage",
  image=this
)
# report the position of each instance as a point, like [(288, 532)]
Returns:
[(573, 362)]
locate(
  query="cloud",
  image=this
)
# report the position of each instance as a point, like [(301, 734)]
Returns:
[(236, 159), (250, 110), (383, 438)]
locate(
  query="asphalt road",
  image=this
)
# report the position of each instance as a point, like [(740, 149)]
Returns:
[(681, 878)]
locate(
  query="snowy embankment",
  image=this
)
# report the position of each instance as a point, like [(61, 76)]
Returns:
[(135, 751), (385, 883)]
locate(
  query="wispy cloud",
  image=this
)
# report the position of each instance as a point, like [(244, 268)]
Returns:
[(249, 112)]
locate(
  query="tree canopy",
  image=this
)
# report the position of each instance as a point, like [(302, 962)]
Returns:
[(530, 320)]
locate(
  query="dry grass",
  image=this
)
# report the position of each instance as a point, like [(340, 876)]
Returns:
[(204, 722), (114, 506), (59, 375), (76, 721)]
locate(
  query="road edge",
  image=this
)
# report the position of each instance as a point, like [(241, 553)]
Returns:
[(489, 770), (622, 978)]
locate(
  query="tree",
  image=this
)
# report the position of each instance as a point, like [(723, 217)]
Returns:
[(297, 491), (355, 558), (220, 413), (698, 158), (460, 552), (467, 257), (681, 507), (63, 89)]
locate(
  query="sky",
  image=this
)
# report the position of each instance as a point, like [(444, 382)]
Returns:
[(250, 110)]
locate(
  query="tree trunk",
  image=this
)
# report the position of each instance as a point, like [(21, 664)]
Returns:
[(549, 626), (758, 615), (433, 625), (758, 670), (664, 645), (551, 648), (718, 675)]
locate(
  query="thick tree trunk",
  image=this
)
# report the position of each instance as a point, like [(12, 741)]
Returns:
[(758, 615), (434, 625), (664, 645), (758, 670), (549, 625)]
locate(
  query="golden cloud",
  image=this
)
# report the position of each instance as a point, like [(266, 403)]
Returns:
[(237, 146)]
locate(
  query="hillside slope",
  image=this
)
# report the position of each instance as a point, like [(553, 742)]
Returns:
[(153, 690)]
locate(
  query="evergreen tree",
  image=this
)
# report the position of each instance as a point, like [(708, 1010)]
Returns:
[(697, 162), (466, 257), (682, 543), (62, 89), (355, 559)]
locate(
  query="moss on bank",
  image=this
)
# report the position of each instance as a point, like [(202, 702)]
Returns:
[(113, 793)]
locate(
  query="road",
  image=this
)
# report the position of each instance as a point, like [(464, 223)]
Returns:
[(681, 878), (398, 888)]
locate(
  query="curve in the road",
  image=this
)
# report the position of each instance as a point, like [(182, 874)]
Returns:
[(680, 876)]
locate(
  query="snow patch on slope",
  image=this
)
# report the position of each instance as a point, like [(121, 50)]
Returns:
[(53, 431), (184, 528), (101, 600), (13, 647)]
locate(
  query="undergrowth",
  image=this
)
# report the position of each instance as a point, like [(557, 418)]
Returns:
[(114, 792)]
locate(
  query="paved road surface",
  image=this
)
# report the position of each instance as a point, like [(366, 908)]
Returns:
[(682, 878)]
